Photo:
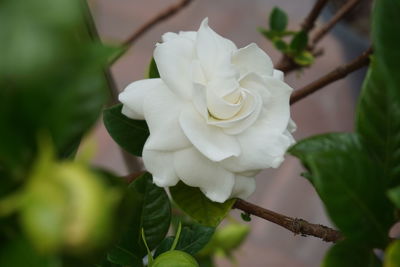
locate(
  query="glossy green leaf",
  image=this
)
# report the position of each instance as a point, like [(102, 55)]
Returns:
[(378, 111), (349, 254), (153, 70), (299, 42), (128, 133), (195, 204), (392, 255), (192, 239), (278, 20), (149, 209), (386, 23), (349, 184)]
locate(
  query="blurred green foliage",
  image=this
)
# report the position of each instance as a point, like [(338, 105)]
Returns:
[(277, 33)]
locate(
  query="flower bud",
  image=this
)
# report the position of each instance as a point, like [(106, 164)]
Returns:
[(66, 205), (175, 258)]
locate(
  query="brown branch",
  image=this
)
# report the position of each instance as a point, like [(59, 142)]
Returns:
[(336, 74), (286, 64), (163, 15), (309, 21), (295, 225), (344, 10)]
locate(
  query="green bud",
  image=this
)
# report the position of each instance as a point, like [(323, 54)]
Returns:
[(66, 205), (175, 258), (226, 239)]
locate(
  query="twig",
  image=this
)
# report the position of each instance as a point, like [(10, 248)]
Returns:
[(344, 10), (286, 64), (309, 21), (337, 74), (295, 225), (165, 14), (130, 161)]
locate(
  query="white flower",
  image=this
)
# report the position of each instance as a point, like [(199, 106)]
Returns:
[(217, 116)]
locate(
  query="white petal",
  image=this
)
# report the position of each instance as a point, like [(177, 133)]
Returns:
[(191, 35), (277, 108), (275, 96), (252, 59), (197, 171), (200, 99), (277, 74), (168, 36), (161, 166), (212, 49), (262, 147), (248, 114), (208, 139), (174, 59), (292, 127), (161, 111), (133, 96), (220, 108), (244, 186)]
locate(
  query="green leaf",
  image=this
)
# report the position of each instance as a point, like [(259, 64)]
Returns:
[(378, 110), (305, 58), (51, 78), (278, 20), (270, 35), (386, 23), (281, 45), (192, 239), (299, 42), (150, 209), (349, 254), (128, 133), (392, 255), (18, 252), (394, 195), (349, 184), (195, 204), (153, 70)]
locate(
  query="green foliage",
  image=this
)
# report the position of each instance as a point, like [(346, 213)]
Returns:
[(51, 78), (354, 174), (18, 252), (153, 70), (353, 194), (297, 48), (299, 41), (348, 254), (278, 20), (128, 133), (225, 240), (175, 258), (195, 204), (379, 107), (192, 239), (394, 195), (392, 255), (150, 209)]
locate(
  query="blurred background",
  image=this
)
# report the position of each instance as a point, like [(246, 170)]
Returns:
[(332, 109)]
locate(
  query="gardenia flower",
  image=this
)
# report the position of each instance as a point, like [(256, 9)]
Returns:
[(217, 116)]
